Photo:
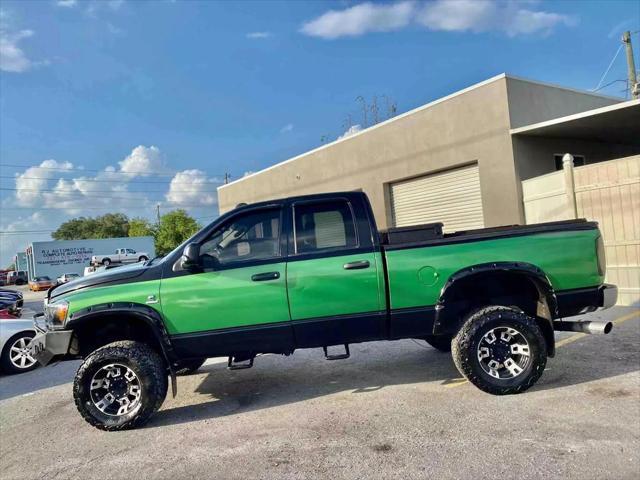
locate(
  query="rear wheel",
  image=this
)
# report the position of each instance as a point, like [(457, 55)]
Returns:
[(187, 367), (439, 342), (120, 385), (500, 350), (106, 262)]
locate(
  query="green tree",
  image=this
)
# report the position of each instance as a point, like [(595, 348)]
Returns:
[(140, 227), (174, 228), (106, 226)]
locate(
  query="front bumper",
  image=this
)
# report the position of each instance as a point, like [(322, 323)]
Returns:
[(48, 344)]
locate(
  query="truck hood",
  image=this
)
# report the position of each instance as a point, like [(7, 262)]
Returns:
[(137, 272)]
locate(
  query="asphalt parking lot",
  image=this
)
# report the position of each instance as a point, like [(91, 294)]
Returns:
[(393, 410)]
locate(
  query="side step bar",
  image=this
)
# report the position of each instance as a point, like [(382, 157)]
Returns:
[(340, 356), (584, 327), (231, 365)]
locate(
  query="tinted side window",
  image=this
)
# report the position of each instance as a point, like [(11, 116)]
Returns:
[(323, 226), (246, 237)]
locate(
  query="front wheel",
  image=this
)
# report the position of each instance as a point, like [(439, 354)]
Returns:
[(143, 259), (120, 385), (500, 350)]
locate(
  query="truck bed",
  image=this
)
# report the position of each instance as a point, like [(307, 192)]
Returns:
[(431, 234)]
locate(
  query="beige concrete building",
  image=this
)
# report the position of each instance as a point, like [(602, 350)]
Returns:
[(460, 159)]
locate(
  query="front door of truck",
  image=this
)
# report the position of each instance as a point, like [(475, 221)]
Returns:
[(334, 274), (239, 299)]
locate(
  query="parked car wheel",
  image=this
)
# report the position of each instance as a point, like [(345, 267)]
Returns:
[(120, 385), (439, 342), (187, 367), (106, 262), (15, 356), (143, 259), (500, 350)]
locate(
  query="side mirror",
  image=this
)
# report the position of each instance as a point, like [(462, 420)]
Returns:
[(190, 257)]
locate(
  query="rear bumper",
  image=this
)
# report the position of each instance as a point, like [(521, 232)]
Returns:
[(49, 344), (584, 300)]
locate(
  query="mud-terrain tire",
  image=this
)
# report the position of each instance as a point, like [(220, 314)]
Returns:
[(441, 343), (470, 344), (187, 367), (150, 375)]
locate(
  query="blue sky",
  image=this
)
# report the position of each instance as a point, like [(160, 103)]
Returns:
[(122, 97)]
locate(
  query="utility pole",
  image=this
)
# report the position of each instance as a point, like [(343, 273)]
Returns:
[(631, 66), (158, 213), (226, 178)]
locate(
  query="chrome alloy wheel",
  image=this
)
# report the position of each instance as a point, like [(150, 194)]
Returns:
[(19, 354), (503, 353), (116, 390)]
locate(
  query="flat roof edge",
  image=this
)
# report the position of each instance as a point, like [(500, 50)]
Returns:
[(562, 87), (575, 116)]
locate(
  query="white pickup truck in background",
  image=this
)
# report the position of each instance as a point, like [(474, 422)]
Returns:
[(121, 255)]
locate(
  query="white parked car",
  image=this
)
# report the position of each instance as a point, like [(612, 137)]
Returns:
[(67, 277), (15, 337), (121, 255)]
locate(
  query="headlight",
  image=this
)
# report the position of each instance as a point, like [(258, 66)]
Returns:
[(56, 313)]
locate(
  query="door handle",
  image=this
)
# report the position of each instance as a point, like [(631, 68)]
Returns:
[(263, 277), (356, 265)]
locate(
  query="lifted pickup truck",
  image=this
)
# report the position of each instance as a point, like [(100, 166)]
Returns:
[(314, 271)]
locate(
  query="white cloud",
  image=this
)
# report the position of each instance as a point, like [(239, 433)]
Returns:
[(115, 4), (352, 130), (62, 190), (192, 187), (34, 179), (108, 188), (527, 22), (96, 6), (459, 15), (509, 17), (67, 3), (143, 161), (360, 19), (258, 35), (287, 128), (12, 57)]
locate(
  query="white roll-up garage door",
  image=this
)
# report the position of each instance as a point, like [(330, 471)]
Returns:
[(451, 197)]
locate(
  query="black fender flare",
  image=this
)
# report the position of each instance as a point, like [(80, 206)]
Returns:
[(547, 308), (146, 314)]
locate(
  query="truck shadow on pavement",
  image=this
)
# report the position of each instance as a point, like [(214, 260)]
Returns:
[(276, 381)]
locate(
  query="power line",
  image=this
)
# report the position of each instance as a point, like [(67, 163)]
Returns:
[(609, 84), (608, 68), (73, 169), (187, 181), (92, 191), (111, 207)]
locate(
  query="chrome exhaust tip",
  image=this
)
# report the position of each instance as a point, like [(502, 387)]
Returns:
[(593, 328)]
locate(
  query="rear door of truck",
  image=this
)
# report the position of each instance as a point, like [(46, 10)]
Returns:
[(335, 278)]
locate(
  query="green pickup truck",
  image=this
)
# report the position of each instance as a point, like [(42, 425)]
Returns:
[(315, 272)]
